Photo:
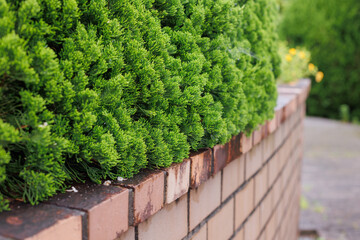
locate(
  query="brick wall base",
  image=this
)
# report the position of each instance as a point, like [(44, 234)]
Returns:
[(247, 189)]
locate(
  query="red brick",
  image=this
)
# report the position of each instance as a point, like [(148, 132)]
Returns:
[(280, 110), (257, 135), (200, 167), (107, 208), (221, 226), (305, 85), (128, 235), (244, 203), (245, 143), (235, 145), (253, 160), (269, 146), (233, 176), (260, 184), (204, 200), (271, 125), (252, 226), (239, 235), (221, 156), (264, 131), (169, 223), (148, 194), (40, 222), (290, 103), (177, 180), (278, 137), (290, 91)]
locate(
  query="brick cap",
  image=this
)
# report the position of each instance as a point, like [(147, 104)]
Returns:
[(26, 221)]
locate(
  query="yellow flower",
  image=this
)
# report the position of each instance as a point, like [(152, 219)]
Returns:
[(292, 51), (302, 55), (319, 76), (311, 67), (288, 57)]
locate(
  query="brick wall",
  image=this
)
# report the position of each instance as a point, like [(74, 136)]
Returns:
[(247, 189)]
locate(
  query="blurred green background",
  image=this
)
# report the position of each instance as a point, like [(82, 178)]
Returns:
[(330, 29)]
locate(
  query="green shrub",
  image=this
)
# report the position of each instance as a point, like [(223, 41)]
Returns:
[(101, 89), (330, 29)]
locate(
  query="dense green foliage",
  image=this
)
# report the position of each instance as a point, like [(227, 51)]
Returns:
[(103, 88), (330, 29)]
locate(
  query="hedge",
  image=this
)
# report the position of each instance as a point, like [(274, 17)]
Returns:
[(330, 29), (104, 88)]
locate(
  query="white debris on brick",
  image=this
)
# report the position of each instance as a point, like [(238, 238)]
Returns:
[(73, 189), (107, 183), (120, 179)]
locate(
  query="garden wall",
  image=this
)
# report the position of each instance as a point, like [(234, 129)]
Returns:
[(246, 189)]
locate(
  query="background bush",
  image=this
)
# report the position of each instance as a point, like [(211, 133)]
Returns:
[(101, 89), (330, 29)]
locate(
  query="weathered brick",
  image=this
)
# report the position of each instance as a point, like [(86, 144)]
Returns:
[(279, 115), (169, 223), (128, 235), (244, 203), (221, 156), (252, 226), (148, 193), (200, 167), (269, 146), (204, 200), (245, 143), (233, 176), (41, 222), (107, 208), (221, 225), (253, 160), (201, 234), (261, 186), (264, 131), (257, 135), (177, 180), (290, 104), (280, 109), (235, 145)]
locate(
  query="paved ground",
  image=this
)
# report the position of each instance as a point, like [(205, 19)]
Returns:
[(331, 179)]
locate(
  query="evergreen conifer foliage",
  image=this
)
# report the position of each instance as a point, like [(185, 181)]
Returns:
[(105, 88)]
